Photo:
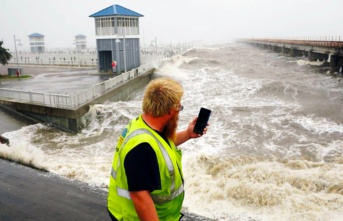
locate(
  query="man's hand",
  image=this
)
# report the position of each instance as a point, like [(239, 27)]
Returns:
[(190, 129), (185, 135)]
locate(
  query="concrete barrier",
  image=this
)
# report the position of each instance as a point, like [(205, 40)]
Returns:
[(4, 140)]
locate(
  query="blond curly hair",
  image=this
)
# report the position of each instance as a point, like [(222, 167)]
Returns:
[(161, 95)]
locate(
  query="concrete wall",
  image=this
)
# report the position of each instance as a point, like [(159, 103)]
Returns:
[(122, 92), (67, 120), (4, 140)]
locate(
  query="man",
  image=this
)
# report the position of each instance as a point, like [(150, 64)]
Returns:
[(146, 180)]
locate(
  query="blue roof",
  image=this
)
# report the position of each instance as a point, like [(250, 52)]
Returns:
[(116, 10), (36, 35)]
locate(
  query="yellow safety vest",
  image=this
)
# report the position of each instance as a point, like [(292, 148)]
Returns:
[(168, 200)]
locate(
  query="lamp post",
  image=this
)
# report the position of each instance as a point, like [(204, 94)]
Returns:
[(117, 54), (112, 60), (124, 45), (78, 56), (155, 44), (78, 48), (16, 52)]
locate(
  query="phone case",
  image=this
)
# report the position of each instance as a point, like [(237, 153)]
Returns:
[(203, 117)]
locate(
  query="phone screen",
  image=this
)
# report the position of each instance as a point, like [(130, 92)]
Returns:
[(204, 116)]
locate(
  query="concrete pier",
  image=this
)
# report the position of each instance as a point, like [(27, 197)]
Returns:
[(70, 119), (330, 52)]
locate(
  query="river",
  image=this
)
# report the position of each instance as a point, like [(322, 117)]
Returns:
[(273, 150)]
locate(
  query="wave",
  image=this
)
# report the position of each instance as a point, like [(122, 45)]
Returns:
[(302, 62), (21, 151), (200, 52), (280, 189)]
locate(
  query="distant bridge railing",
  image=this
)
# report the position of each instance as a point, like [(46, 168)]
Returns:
[(331, 42), (72, 101)]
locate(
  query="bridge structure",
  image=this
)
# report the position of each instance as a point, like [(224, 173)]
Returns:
[(328, 49), (65, 110)]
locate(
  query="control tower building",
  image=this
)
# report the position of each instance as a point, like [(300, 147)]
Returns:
[(117, 39)]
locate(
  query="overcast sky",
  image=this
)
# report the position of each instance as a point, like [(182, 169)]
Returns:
[(172, 21)]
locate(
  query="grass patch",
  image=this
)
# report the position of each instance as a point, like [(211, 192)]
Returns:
[(13, 77)]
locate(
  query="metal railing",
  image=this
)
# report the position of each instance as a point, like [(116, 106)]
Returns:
[(75, 100), (48, 62), (326, 41)]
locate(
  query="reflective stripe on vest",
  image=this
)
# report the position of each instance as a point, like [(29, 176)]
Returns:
[(123, 193), (157, 199), (164, 199)]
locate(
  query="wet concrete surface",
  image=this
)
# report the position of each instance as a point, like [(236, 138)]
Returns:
[(55, 79), (29, 194)]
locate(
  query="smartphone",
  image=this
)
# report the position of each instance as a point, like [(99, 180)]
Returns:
[(203, 117)]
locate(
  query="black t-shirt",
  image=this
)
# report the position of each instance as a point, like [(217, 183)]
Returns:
[(141, 168)]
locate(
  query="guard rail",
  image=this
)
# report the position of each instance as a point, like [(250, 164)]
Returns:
[(74, 100)]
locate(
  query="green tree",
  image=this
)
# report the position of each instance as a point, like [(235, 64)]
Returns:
[(5, 56)]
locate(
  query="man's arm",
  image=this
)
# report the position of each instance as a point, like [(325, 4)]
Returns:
[(144, 205), (183, 136)]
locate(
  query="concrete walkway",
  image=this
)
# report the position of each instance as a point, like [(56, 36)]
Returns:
[(30, 195)]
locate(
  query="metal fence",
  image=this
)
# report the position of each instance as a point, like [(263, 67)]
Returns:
[(49, 62), (75, 100), (327, 41)]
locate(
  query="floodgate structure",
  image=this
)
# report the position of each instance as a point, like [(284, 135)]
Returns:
[(328, 49)]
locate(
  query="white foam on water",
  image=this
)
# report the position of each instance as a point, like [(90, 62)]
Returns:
[(171, 69), (318, 125), (91, 164), (21, 150), (88, 155), (226, 187), (23, 153), (303, 62)]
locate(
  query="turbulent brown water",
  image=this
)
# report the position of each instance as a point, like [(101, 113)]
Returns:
[(273, 150)]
